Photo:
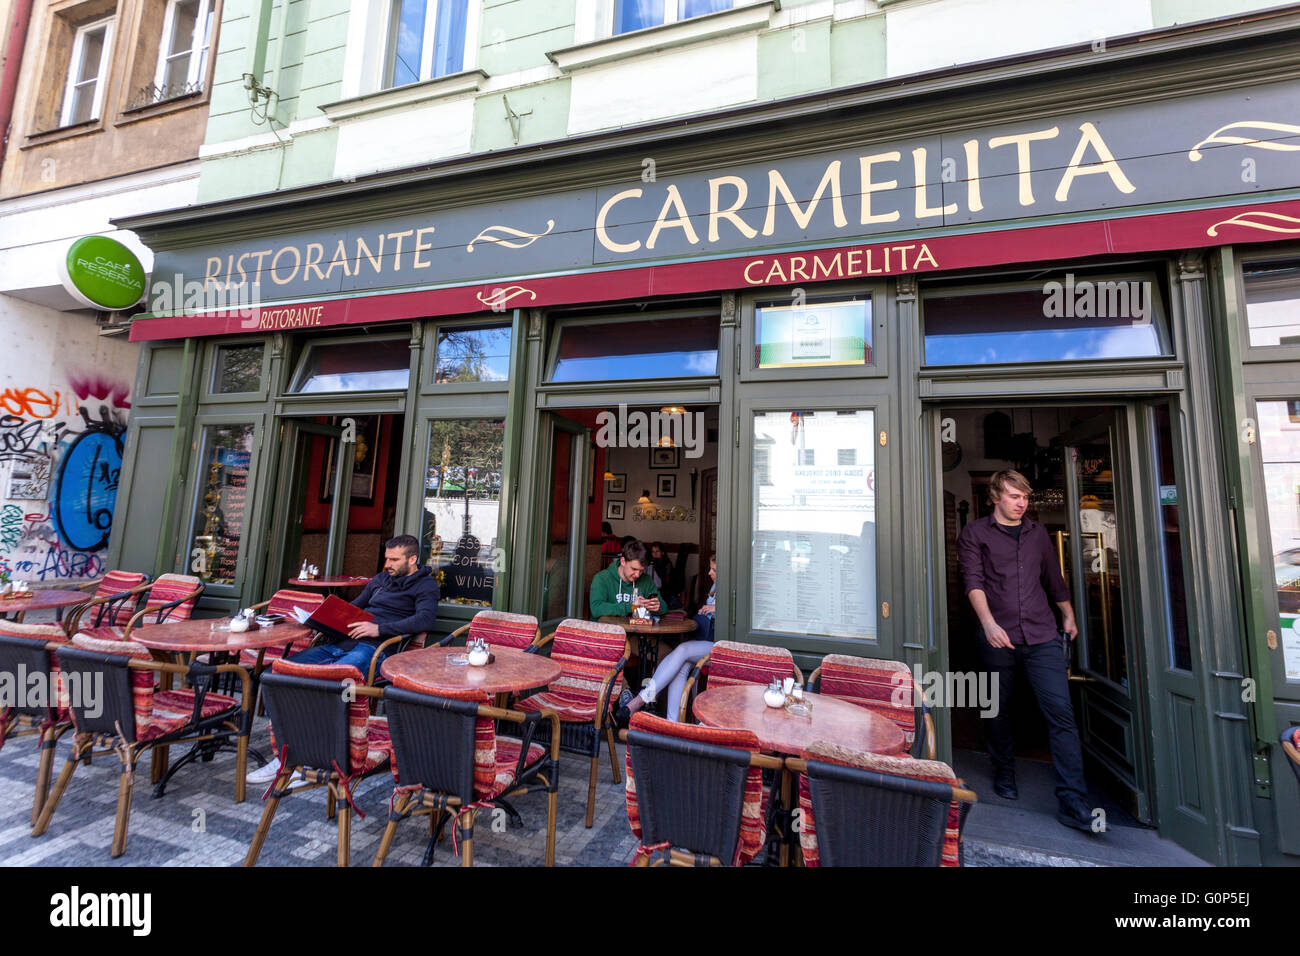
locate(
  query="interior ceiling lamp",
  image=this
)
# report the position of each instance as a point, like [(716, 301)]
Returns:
[(645, 505), (666, 441), (673, 410), (609, 475)]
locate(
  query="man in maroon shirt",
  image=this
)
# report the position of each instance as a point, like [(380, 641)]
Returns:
[(1010, 571)]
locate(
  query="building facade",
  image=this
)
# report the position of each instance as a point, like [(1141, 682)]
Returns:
[(103, 107), (786, 285)]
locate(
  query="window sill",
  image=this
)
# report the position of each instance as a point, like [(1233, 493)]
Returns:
[(405, 96), (63, 132), (174, 105), (746, 19)]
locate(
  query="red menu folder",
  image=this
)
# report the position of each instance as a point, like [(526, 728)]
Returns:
[(334, 616)]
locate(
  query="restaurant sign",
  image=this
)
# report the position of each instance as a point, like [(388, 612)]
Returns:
[(1204, 149)]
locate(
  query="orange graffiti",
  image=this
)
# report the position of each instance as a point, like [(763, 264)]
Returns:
[(33, 403)]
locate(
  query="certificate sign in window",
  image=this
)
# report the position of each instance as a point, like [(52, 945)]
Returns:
[(814, 331), (814, 520)]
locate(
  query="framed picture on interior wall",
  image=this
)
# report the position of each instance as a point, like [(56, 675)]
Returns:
[(664, 458), (617, 485), (667, 486), (363, 465), (614, 510)]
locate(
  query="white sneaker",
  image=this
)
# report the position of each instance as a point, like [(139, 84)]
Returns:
[(265, 774)]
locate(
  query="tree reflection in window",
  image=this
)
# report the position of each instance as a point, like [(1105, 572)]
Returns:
[(473, 355), (462, 494)]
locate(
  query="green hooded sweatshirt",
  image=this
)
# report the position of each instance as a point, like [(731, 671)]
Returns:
[(611, 595)]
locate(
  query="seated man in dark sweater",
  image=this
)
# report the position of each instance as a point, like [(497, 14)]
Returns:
[(403, 599)]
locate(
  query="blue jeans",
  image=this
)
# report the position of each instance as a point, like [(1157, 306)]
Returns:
[(359, 656)]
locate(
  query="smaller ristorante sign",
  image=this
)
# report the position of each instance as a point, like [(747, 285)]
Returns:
[(101, 273)]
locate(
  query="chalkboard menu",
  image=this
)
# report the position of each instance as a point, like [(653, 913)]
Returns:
[(222, 506)]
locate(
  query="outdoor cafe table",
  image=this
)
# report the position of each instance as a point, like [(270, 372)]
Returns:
[(44, 599), (207, 636), (649, 634), (741, 707), (431, 670), (332, 585)]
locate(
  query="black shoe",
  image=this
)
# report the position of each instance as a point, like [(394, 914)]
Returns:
[(1074, 813), (1004, 785)]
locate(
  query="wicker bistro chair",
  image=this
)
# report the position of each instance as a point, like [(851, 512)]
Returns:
[(449, 762), (282, 602), (591, 656), (25, 650), (695, 792), (325, 733), (731, 662), (499, 628), (861, 809), (1290, 741), (114, 601), (171, 598), (130, 716), (883, 687)]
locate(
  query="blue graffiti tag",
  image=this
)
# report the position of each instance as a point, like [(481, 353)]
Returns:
[(82, 506)]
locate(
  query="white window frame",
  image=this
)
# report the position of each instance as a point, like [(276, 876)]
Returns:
[(469, 57), (200, 45), (672, 14), (74, 66)]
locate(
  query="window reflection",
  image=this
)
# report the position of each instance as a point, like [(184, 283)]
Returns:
[(462, 499), (223, 498), (380, 365), (473, 355), (648, 348), (1279, 438), (1273, 303)]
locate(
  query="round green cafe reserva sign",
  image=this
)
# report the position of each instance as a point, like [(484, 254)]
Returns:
[(102, 273)]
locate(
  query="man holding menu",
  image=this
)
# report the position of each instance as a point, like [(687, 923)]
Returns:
[(402, 599)]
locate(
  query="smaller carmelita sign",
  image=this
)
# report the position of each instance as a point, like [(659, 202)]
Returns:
[(102, 273)]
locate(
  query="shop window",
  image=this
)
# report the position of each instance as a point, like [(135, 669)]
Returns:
[(426, 39), (814, 331), (1273, 302), (813, 568), (350, 365), (224, 463), (183, 53), (479, 354), (1170, 516), (238, 368), (462, 505), (1279, 440), (87, 76), (684, 347), (1066, 319), (632, 15)]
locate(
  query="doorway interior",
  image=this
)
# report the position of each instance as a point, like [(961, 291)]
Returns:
[(1074, 458)]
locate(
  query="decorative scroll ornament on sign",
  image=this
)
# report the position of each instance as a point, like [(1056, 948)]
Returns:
[(497, 298), (497, 234), (1229, 136), (1259, 219)]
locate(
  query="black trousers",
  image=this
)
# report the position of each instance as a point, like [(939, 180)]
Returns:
[(1044, 665)]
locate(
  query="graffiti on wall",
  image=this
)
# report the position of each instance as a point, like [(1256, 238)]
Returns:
[(59, 470)]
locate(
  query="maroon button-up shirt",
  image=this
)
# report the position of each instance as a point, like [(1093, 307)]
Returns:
[(1017, 576)]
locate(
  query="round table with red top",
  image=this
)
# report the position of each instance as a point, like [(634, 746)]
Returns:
[(333, 585), (649, 634), (435, 670), (43, 600)]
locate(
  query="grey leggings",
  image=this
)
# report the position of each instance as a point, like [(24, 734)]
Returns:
[(674, 671)]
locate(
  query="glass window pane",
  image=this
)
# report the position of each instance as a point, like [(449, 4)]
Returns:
[(405, 42), (354, 367), (92, 49), (176, 75), (632, 15), (223, 491), (1273, 303), (183, 18), (814, 546), (83, 104), (449, 38), (649, 348), (473, 355), (825, 330), (1180, 652), (1279, 438), (462, 502), (238, 368), (1056, 321), (697, 8)]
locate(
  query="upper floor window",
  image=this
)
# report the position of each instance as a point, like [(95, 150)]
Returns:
[(183, 53), (632, 15), (83, 96), (426, 39)]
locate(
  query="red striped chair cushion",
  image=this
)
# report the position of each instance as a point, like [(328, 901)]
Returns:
[(283, 602), (508, 630), (731, 662), (168, 588), (880, 686), (142, 681), (753, 820), (880, 763), (116, 582), (359, 743), (44, 633), (586, 652), (172, 710)]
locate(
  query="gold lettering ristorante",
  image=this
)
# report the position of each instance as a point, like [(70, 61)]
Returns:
[(292, 317)]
